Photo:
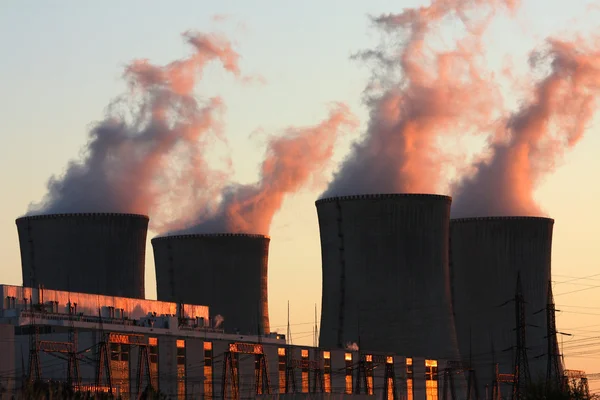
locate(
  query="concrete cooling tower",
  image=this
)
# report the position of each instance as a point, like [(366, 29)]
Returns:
[(227, 272), (88, 253), (486, 256), (385, 274)]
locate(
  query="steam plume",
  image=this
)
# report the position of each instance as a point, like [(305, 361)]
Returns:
[(127, 151), (352, 346), (290, 162), (552, 121), (418, 94), (218, 320)]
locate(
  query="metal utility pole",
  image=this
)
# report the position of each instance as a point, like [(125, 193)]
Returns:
[(472, 389), (496, 373), (73, 375), (35, 367), (554, 370), (448, 384), (522, 377), (103, 359)]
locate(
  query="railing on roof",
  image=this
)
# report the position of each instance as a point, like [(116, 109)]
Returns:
[(105, 320), (76, 318)]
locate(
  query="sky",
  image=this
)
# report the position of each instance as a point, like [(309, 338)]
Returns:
[(62, 64)]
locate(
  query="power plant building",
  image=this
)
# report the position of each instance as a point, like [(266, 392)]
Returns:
[(177, 350), (487, 256), (386, 282), (90, 253), (229, 272)]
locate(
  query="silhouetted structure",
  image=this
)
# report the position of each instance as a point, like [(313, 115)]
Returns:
[(385, 270), (487, 255), (227, 272), (90, 253)]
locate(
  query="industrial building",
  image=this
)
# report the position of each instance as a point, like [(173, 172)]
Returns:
[(90, 253), (104, 343), (386, 282), (406, 291), (229, 272), (488, 258)]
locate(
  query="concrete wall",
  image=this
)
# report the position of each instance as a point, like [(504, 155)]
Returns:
[(487, 254), (227, 272), (385, 274), (88, 253)]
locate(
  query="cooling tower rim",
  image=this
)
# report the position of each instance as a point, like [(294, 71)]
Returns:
[(82, 215), (500, 218), (210, 235), (378, 196)]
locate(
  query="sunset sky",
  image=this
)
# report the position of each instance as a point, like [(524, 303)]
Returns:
[(62, 65)]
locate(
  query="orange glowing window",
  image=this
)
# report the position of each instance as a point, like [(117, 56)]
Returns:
[(431, 390), (180, 344), (152, 341), (430, 363), (348, 384), (304, 353), (369, 358), (207, 345), (281, 351), (326, 355), (390, 360), (348, 357), (409, 361)]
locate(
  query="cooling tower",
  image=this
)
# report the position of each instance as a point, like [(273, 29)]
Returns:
[(227, 272), (486, 256), (88, 253), (385, 274)]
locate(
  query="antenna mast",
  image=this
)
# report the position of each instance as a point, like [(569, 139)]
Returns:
[(289, 329), (316, 334)]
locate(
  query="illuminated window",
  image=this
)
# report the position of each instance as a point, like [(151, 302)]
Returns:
[(119, 365), (180, 369), (409, 379), (208, 370), (369, 373), (389, 360), (153, 355), (282, 367), (348, 358), (431, 379), (305, 377), (327, 371)]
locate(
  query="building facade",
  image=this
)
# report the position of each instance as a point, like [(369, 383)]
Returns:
[(125, 345)]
